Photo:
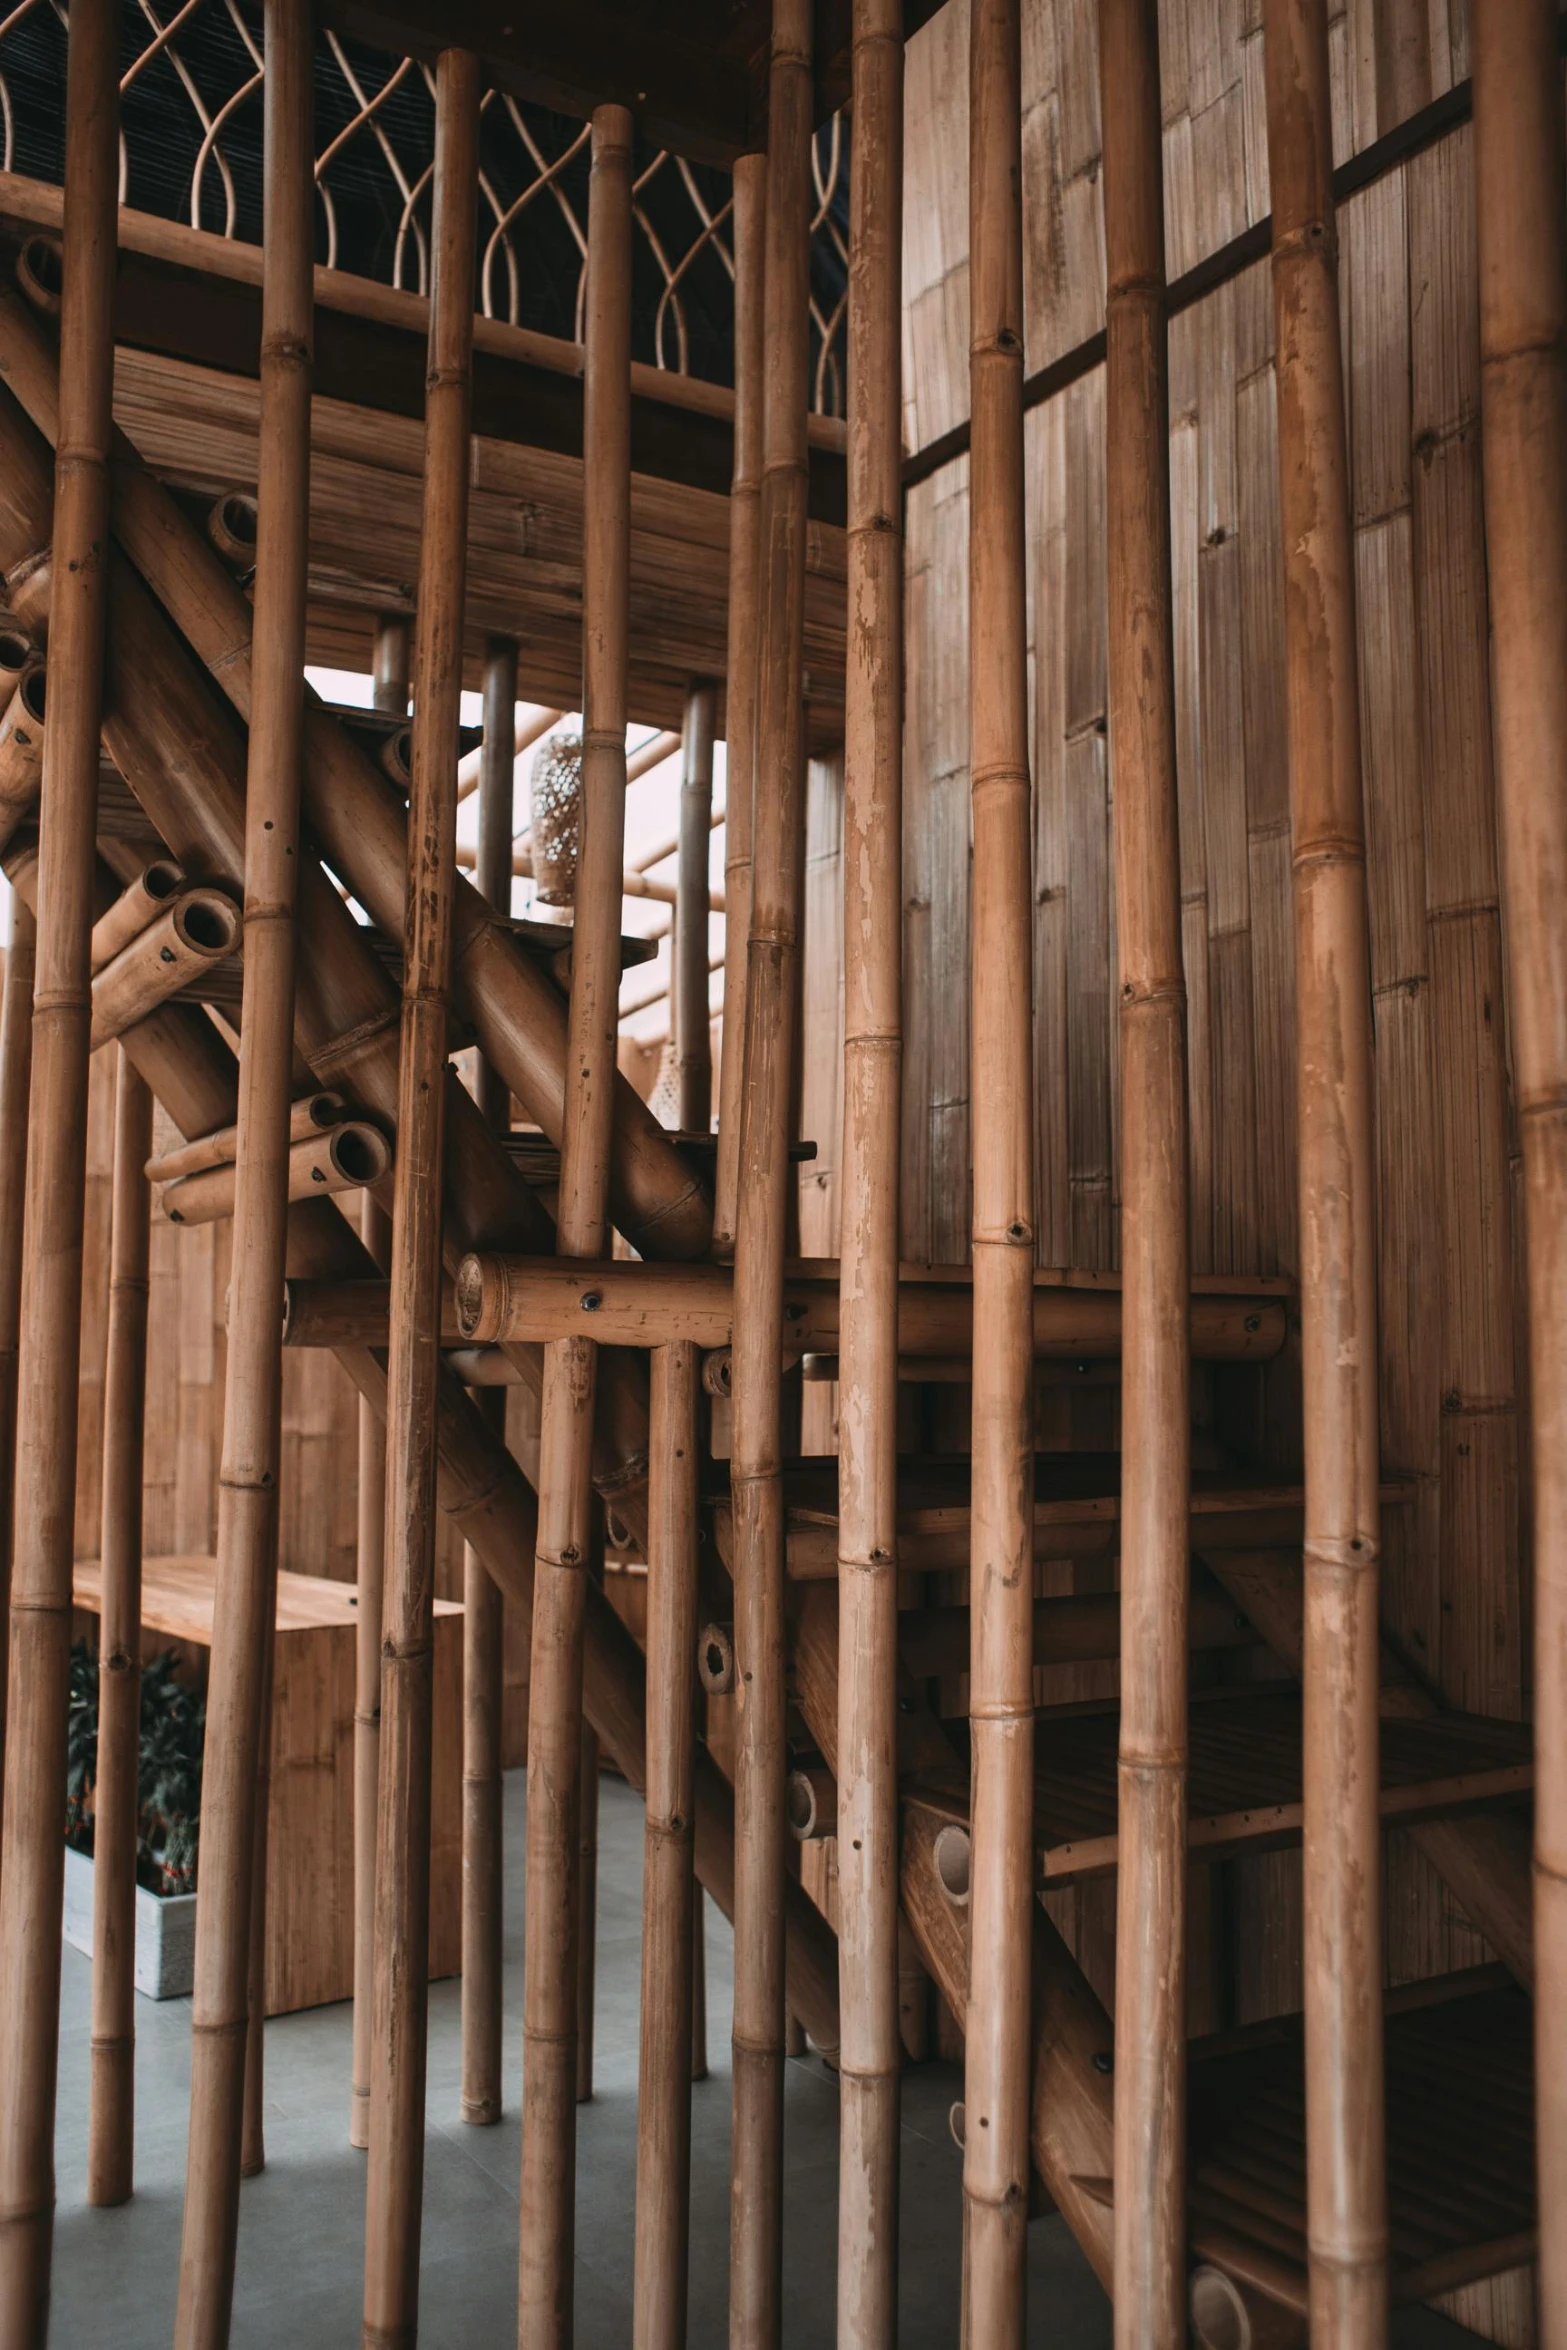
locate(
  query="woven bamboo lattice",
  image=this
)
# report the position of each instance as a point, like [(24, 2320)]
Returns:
[(556, 818)]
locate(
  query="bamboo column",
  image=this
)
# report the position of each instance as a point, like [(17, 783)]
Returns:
[(390, 660), (587, 1906), (1346, 2201), (16, 1064), (566, 1501), (668, 1886), (112, 2106), (483, 1660), (1001, 1569), (762, 1219), (32, 1863), (691, 1023), (1150, 2021), (745, 498), (871, 2054), (395, 2182), (1521, 203), (237, 1719)]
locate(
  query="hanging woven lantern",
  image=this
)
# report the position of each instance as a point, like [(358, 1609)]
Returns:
[(557, 818)]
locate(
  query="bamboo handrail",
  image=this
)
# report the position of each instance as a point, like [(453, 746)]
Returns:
[(689, 959), (16, 1061), (745, 494), (1519, 188), (395, 2178), (1346, 2194), (1150, 1979), (571, 1364), (483, 1622), (116, 1793), (226, 2024), (33, 1860), (866, 1819)]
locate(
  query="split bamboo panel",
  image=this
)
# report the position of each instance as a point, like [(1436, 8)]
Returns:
[(691, 1024), (16, 1061), (763, 1202), (395, 2182), (116, 1797), (32, 1858), (1521, 196), (1001, 1708), (1346, 2175), (227, 2013), (550, 2021), (866, 1816)]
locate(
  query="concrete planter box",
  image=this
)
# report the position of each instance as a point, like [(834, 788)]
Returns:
[(165, 1930)]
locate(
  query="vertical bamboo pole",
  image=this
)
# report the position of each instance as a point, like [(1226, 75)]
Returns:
[(1345, 2172), (587, 1906), (1001, 1567), (253, 2133), (698, 1985), (245, 1608), (483, 1660), (33, 1861), (16, 1065), (391, 660), (764, 1187), (691, 1024), (1521, 204), (111, 2111), (1150, 1976), (668, 1884), (394, 2183), (871, 2054), (566, 1501), (745, 498)]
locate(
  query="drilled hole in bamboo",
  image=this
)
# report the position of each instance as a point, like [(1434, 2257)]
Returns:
[(231, 526), (716, 1660), (950, 1852), (41, 275)]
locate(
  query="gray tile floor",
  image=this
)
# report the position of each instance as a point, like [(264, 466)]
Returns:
[(301, 2228)]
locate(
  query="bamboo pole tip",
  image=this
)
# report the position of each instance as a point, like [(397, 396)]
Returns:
[(207, 922), (232, 525), (950, 1854), (480, 1293), (359, 1152), (715, 1660), (1220, 2318)]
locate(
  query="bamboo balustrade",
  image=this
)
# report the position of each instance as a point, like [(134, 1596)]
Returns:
[(866, 1818), (16, 1062), (395, 2180), (227, 2016), (1520, 192), (1346, 2180), (550, 2023), (1001, 1705), (691, 1029), (32, 1855), (762, 1206)]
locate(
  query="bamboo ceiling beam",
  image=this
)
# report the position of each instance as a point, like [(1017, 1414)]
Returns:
[(1346, 2189), (1520, 203), (1150, 1975), (745, 495), (16, 1062), (692, 1023), (995, 2146), (235, 1773), (550, 2021), (867, 1815), (395, 2181), (762, 1209), (32, 1863)]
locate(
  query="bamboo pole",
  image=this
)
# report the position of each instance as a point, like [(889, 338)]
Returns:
[(111, 2111), (549, 2085), (1519, 182), (1345, 2170), (867, 1809), (225, 2019), (140, 903), (692, 1026), (483, 1662), (16, 1062), (587, 1907), (663, 2215), (745, 581), (394, 2188), (1001, 1707), (311, 1115), (762, 1206), (33, 1860), (1150, 1977)]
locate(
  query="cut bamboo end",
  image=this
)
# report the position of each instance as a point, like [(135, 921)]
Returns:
[(951, 1855), (16, 650), (29, 587), (812, 1804), (231, 526), (1227, 2317), (311, 1115), (347, 1158), (137, 905), (396, 757), (192, 933), (22, 746), (715, 1659), (40, 272)]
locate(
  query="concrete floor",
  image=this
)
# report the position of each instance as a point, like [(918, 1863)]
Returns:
[(301, 2228)]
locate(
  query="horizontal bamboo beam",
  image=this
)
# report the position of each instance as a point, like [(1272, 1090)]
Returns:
[(1077, 1629)]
